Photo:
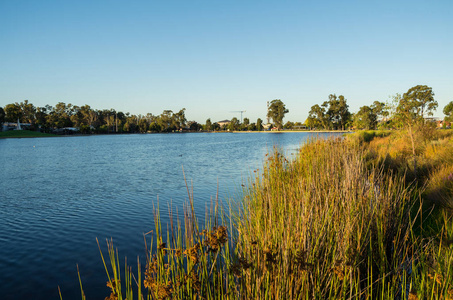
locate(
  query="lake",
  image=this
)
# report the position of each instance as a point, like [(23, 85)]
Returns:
[(58, 194)]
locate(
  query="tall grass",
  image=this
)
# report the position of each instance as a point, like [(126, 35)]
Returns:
[(323, 226), (333, 223)]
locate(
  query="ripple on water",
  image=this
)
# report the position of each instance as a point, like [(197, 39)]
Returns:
[(59, 195)]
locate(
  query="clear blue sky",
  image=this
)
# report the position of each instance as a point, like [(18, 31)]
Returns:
[(213, 57)]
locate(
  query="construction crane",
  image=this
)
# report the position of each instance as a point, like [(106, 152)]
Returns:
[(241, 111)]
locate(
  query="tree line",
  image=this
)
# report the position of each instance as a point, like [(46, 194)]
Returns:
[(332, 114), (88, 120), (416, 104)]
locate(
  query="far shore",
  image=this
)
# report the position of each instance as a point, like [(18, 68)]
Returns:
[(18, 134)]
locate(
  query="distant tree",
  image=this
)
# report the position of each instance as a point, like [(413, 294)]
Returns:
[(166, 121), (365, 118), (259, 124), (317, 117), (131, 124), (412, 108), (28, 112), (208, 126), (59, 116), (288, 125), (2, 115), (448, 112), (13, 112), (216, 126), (277, 111), (41, 118), (337, 113), (143, 125), (180, 119), (379, 108), (245, 124), (77, 118), (234, 124), (194, 126), (154, 127)]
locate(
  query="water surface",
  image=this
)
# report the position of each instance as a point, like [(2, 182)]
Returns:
[(58, 194)]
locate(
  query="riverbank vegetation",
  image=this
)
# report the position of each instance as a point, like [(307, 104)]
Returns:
[(24, 134), (344, 219), (332, 114)]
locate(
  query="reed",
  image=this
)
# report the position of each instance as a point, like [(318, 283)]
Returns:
[(333, 223)]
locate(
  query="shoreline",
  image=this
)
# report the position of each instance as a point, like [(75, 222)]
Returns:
[(32, 134)]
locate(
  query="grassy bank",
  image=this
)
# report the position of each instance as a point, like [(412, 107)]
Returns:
[(24, 134), (347, 218)]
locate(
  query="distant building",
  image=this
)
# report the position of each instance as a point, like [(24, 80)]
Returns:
[(267, 126), (223, 123), (15, 126)]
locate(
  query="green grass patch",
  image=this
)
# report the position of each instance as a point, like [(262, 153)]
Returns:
[(24, 134)]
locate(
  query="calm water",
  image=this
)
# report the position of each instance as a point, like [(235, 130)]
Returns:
[(58, 194)]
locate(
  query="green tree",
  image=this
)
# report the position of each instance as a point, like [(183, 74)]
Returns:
[(448, 112), (194, 126), (277, 111), (245, 124), (288, 125), (2, 115), (234, 124), (12, 112), (143, 125), (154, 127), (59, 115), (179, 119), (41, 118), (259, 124), (337, 113), (317, 117), (28, 112), (379, 108), (208, 126), (365, 118), (215, 126), (412, 108), (166, 121)]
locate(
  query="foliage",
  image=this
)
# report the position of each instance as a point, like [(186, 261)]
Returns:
[(332, 114), (208, 125), (12, 112), (317, 117), (412, 108), (88, 120), (448, 112), (365, 118), (259, 124), (277, 111), (2, 115), (288, 125), (245, 124), (337, 112), (234, 124)]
